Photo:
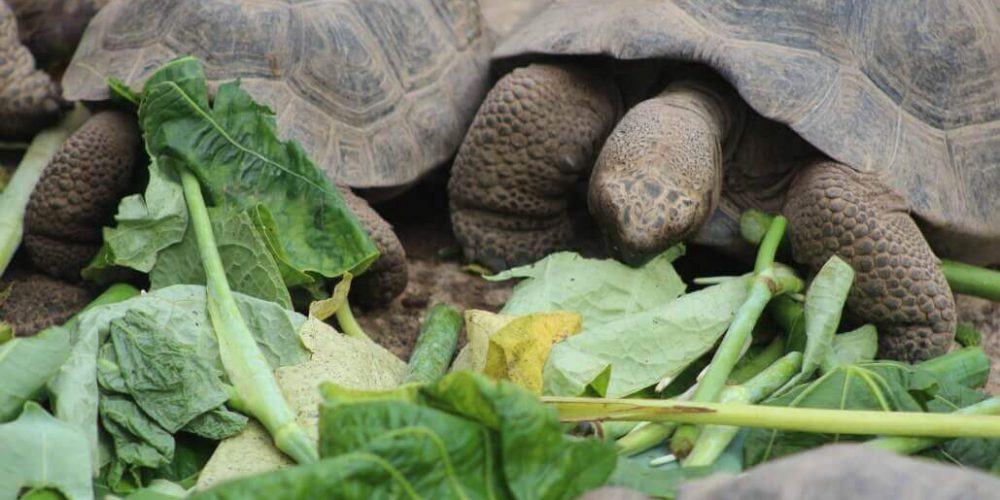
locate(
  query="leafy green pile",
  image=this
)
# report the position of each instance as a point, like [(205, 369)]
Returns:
[(266, 193), (463, 437)]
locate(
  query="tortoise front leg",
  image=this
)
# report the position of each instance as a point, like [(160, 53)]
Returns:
[(898, 284), (535, 135)]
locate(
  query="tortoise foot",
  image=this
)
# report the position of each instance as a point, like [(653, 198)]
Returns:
[(898, 283)]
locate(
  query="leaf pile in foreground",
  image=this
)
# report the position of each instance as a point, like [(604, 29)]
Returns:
[(466, 436)]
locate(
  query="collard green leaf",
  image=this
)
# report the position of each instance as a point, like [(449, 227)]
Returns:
[(139, 441), (26, 365), (875, 386), (601, 291), (166, 378), (180, 309), (631, 353), (538, 460), (855, 346), (39, 451), (217, 424), (250, 267), (233, 148), (499, 440), (145, 225)]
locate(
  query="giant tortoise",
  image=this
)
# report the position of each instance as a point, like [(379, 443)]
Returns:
[(378, 92), (872, 125)]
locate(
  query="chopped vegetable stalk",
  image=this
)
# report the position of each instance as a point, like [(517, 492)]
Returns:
[(245, 364), (750, 367), (910, 445), (969, 367), (770, 280), (15, 196), (857, 422), (714, 439), (435, 345), (760, 386), (972, 280)]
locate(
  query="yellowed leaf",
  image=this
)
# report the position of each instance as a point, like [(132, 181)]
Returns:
[(518, 351), (479, 326)]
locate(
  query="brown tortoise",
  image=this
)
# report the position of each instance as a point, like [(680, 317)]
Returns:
[(871, 125), (378, 92)]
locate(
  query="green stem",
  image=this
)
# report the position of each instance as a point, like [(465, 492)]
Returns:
[(815, 420), (774, 280), (769, 245), (348, 324), (242, 359), (15, 196), (972, 280), (644, 437), (755, 365), (909, 445), (714, 439)]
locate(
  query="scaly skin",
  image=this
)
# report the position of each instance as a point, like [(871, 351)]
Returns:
[(387, 277), (78, 193), (898, 284), (536, 134), (29, 99)]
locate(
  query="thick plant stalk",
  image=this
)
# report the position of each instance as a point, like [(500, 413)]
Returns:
[(972, 280), (245, 365), (14, 197), (875, 423), (758, 387), (909, 445), (770, 280), (435, 345), (714, 439)]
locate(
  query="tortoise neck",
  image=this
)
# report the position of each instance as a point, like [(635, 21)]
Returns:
[(717, 103)]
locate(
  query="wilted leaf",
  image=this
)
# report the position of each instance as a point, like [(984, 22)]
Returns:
[(629, 354), (519, 350), (599, 290)]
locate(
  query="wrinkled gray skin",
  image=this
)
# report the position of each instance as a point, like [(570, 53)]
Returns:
[(840, 472), (795, 124)]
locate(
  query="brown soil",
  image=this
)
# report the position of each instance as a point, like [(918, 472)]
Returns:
[(420, 218)]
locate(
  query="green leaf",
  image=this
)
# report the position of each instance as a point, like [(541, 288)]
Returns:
[(497, 439), (26, 365), (191, 453), (657, 481), (217, 424), (233, 148), (631, 353), (875, 386), (145, 225), (38, 451), (250, 267), (139, 441), (166, 378), (601, 291), (180, 309), (855, 346), (824, 304), (538, 460)]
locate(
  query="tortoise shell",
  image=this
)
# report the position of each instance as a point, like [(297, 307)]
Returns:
[(378, 92), (909, 91)]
